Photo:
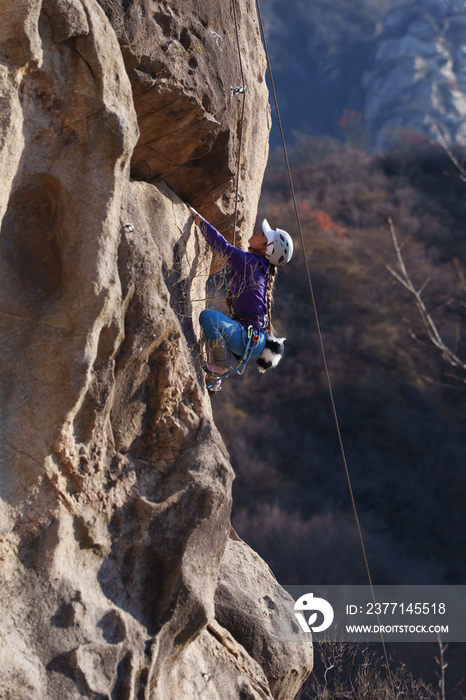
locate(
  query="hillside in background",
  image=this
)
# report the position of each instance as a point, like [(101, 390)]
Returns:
[(402, 415), (319, 51), (388, 66)]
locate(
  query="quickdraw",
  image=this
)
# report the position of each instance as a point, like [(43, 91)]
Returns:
[(253, 338)]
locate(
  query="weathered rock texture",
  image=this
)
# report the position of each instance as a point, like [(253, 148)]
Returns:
[(419, 77), (115, 484), (250, 605), (182, 60)]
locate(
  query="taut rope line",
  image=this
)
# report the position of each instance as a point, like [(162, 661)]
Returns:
[(233, 5), (321, 341)]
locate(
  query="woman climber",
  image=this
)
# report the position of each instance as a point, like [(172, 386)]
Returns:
[(249, 300)]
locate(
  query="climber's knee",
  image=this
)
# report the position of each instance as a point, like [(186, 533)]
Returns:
[(204, 317), (211, 323)]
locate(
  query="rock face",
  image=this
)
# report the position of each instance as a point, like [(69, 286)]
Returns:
[(183, 63), (115, 484), (419, 77), (248, 602)]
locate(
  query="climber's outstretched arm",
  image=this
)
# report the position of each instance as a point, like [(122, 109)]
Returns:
[(218, 243), (196, 216)]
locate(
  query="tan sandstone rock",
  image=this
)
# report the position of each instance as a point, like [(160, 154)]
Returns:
[(250, 604), (115, 488), (183, 61), (215, 667)]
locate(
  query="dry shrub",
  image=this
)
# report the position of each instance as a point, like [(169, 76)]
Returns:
[(359, 672)]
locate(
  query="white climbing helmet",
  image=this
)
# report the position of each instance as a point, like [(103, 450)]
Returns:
[(279, 246)]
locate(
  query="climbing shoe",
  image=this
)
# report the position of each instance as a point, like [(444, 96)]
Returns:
[(213, 381), (216, 369)]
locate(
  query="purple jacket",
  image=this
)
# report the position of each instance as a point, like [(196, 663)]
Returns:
[(248, 280)]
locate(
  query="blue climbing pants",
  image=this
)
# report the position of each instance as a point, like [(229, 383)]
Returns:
[(216, 325)]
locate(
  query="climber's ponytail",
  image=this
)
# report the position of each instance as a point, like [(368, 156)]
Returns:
[(273, 269)]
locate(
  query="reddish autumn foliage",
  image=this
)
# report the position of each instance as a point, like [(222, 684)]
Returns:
[(325, 221)]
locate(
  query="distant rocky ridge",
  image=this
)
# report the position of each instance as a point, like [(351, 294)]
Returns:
[(418, 81), (115, 483), (398, 66)]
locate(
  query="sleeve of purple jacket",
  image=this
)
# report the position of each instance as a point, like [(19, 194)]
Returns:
[(220, 245)]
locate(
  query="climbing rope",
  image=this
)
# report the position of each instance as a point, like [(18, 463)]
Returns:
[(321, 341), (238, 91)]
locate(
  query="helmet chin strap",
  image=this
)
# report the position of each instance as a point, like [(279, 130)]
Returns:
[(258, 251)]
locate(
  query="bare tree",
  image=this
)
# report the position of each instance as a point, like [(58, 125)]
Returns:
[(453, 7), (443, 142), (430, 326)]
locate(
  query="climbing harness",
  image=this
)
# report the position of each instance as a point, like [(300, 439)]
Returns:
[(321, 341), (248, 317), (253, 338)]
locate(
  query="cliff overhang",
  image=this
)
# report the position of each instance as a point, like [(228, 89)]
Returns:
[(116, 486)]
